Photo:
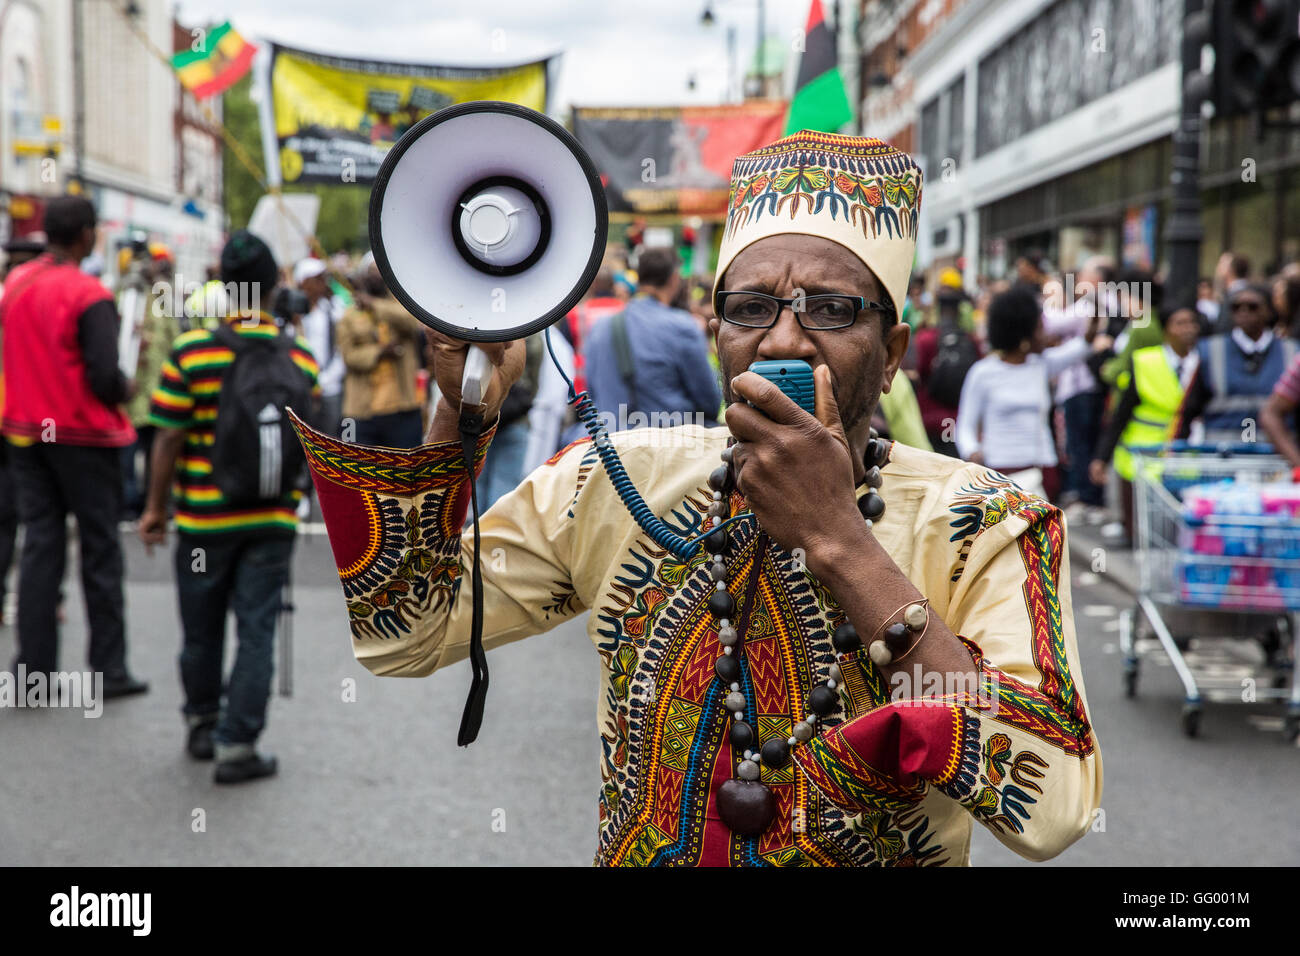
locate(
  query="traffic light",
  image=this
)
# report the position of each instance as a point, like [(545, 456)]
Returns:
[(1256, 55)]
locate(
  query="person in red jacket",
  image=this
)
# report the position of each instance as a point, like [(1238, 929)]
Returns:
[(65, 426)]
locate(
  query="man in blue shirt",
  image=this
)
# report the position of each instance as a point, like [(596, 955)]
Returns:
[(654, 370)]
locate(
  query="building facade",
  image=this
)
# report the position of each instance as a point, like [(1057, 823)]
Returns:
[(88, 106), (1047, 125)]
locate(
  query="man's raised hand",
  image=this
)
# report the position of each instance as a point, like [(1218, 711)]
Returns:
[(448, 359), (795, 470)]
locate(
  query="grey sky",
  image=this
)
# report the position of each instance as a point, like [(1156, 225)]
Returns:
[(614, 53)]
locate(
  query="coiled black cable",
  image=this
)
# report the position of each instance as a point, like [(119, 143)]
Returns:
[(651, 524)]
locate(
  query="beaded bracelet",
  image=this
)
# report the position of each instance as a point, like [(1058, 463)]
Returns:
[(898, 634)]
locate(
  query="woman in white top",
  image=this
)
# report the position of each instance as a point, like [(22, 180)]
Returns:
[(1002, 419)]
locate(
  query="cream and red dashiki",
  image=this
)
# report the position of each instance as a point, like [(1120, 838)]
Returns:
[(886, 781)]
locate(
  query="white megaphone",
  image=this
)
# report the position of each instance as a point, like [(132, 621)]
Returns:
[(488, 223)]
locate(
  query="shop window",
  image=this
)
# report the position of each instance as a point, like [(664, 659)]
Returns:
[(956, 118), (931, 148)]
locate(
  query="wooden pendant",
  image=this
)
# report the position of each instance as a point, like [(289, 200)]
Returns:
[(746, 807)]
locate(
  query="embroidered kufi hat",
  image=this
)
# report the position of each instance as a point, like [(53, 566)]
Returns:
[(859, 192)]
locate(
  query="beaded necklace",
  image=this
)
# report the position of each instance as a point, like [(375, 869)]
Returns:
[(745, 804)]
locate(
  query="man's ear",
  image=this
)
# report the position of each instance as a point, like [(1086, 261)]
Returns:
[(896, 340)]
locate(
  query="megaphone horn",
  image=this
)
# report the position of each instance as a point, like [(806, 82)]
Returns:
[(488, 222)]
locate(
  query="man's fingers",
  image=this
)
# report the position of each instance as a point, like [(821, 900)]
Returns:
[(445, 342), (827, 408), (748, 424), (767, 398), (495, 351)]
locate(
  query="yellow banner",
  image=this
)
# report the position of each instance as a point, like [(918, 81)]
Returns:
[(335, 117)]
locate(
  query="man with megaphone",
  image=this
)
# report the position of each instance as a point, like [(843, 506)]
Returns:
[(817, 646)]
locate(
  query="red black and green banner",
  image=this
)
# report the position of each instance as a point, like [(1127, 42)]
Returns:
[(216, 63), (819, 102), (676, 159)]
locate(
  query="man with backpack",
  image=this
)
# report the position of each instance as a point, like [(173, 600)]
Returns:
[(224, 434), (945, 352)]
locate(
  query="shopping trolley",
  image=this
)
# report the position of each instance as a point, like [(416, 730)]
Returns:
[(1219, 564)]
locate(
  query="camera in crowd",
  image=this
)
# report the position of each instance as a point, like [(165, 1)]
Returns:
[(289, 303)]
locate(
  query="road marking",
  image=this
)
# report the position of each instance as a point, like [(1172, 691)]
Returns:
[(1086, 578), (1111, 625), (1110, 647), (1266, 724), (1099, 610)]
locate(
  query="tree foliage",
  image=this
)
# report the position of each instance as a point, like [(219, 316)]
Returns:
[(343, 208)]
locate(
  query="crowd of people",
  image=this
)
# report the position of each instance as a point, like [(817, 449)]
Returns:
[(1052, 379), (1063, 376)]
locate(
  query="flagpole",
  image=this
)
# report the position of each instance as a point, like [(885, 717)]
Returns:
[(79, 92)]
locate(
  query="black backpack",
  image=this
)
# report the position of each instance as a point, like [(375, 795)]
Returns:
[(956, 354), (256, 457)]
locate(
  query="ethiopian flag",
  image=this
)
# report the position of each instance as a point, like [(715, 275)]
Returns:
[(819, 102), (222, 57)]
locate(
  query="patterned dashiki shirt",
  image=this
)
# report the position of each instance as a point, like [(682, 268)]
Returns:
[(897, 777)]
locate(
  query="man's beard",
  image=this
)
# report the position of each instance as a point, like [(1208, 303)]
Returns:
[(859, 412)]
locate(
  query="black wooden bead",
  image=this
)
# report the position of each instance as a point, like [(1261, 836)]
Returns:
[(846, 638), (871, 505), (775, 752), (872, 478), (746, 807), (742, 736), (897, 637), (720, 478), (728, 668), (718, 571), (716, 542), (721, 605), (823, 701)]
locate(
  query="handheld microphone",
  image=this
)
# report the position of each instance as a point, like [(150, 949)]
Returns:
[(794, 377)]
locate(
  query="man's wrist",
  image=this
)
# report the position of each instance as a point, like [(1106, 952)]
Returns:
[(832, 559), (445, 425)]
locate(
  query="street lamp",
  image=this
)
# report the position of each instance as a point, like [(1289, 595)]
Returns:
[(1184, 231), (707, 18)]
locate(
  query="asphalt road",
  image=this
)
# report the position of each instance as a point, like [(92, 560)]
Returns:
[(380, 780)]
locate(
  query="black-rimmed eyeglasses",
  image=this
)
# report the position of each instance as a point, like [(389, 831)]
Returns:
[(817, 313)]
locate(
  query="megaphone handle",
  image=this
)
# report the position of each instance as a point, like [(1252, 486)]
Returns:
[(478, 372)]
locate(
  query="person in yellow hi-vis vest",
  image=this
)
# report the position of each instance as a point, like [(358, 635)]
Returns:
[(1150, 394)]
